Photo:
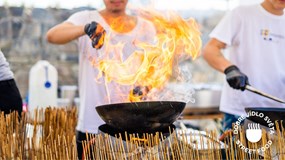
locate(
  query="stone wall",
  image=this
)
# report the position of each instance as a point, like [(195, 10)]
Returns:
[(22, 40)]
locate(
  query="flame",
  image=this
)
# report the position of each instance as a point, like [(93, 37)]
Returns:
[(152, 65), (121, 24)]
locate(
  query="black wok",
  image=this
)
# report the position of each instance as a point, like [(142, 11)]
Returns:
[(141, 117), (274, 114)]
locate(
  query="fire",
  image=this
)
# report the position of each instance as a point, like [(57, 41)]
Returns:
[(153, 64)]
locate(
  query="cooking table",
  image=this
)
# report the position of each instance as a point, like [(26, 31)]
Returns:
[(211, 112)]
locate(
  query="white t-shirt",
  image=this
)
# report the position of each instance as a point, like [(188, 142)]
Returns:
[(256, 42), (5, 71), (93, 93)]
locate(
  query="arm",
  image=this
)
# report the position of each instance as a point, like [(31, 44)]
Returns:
[(213, 55), (64, 33)]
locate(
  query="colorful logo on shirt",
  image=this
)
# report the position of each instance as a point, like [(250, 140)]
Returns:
[(267, 35)]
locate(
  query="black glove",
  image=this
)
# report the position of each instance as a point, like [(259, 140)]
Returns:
[(96, 33), (236, 78), (139, 93)]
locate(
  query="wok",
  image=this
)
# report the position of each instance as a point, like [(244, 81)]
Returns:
[(141, 117), (275, 114)]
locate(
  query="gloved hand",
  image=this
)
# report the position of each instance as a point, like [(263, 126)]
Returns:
[(236, 78), (96, 33), (138, 93)]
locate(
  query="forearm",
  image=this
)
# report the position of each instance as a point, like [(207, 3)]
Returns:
[(64, 33), (212, 54)]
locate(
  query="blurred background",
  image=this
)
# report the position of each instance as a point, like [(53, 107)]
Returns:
[(23, 24)]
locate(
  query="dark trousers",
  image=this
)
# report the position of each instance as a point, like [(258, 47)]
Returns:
[(80, 136), (10, 98), (228, 120)]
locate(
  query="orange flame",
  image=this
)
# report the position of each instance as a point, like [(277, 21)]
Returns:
[(176, 39)]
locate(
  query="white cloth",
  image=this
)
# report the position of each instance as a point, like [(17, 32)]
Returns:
[(5, 71), (256, 42), (91, 92)]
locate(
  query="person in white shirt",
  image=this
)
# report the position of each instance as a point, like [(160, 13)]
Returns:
[(255, 38), (10, 98), (86, 25)]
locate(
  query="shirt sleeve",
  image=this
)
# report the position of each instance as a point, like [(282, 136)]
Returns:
[(78, 18), (227, 28)]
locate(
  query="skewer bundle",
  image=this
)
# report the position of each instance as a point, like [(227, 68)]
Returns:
[(152, 146), (50, 135)]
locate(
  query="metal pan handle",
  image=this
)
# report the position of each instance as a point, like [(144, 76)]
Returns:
[(254, 90)]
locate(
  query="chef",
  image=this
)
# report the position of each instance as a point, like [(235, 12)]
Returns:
[(254, 36), (85, 25)]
